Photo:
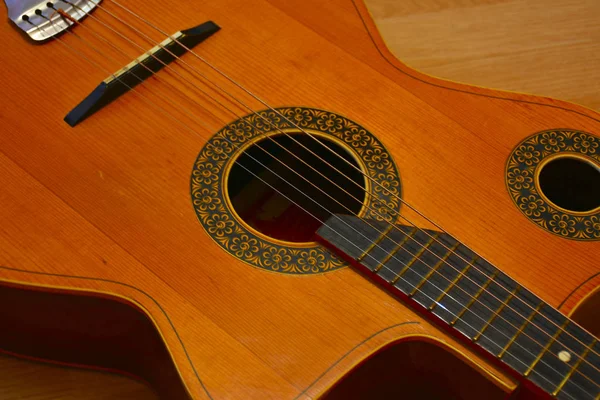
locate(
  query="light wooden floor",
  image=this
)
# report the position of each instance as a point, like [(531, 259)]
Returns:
[(545, 47)]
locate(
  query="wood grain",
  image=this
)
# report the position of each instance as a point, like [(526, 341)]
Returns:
[(547, 48), (514, 45), (28, 380)]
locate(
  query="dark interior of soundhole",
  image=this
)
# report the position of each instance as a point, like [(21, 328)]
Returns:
[(288, 195), (571, 183), (414, 370)]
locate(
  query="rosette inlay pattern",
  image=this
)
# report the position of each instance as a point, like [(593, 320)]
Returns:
[(522, 172), (215, 212)]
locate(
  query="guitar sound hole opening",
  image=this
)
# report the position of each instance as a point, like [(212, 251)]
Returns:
[(289, 206), (571, 183)]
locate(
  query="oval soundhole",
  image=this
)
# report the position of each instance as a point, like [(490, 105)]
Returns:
[(281, 204), (572, 183)]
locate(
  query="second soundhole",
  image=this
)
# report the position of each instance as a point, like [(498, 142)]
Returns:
[(572, 183)]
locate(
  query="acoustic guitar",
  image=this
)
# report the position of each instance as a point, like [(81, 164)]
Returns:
[(255, 199)]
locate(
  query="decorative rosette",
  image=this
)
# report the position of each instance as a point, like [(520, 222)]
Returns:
[(522, 169), (217, 218)]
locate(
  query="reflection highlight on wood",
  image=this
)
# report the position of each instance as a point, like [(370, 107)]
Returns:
[(28, 380), (540, 47)]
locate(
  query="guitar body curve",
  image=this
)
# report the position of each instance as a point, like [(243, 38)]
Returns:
[(104, 210)]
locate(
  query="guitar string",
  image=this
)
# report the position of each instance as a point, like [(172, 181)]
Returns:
[(397, 214), (341, 158), (195, 133), (432, 269), (317, 218)]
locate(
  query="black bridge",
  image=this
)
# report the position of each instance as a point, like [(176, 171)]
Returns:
[(140, 69)]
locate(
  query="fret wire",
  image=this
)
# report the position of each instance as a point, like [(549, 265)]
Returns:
[(395, 249), (494, 275), (521, 328), (474, 298), (547, 347), (482, 289), (496, 313), (454, 282), (434, 269), (573, 369), (414, 259), (383, 235)]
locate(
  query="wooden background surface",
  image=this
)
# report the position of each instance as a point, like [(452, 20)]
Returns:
[(544, 47)]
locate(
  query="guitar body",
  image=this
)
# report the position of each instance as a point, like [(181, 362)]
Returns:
[(105, 260)]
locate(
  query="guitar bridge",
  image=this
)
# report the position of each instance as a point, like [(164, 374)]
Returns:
[(139, 70)]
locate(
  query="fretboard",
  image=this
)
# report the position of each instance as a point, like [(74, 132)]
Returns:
[(477, 300)]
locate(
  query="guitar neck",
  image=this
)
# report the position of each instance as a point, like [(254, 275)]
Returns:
[(474, 298)]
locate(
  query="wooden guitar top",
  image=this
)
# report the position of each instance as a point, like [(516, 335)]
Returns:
[(105, 209)]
